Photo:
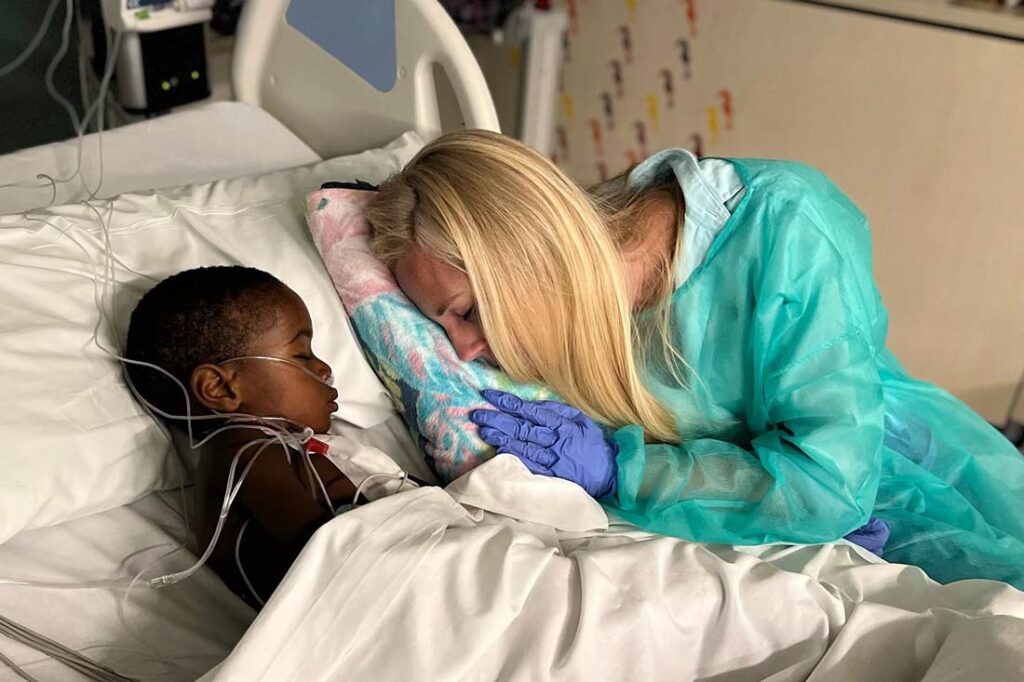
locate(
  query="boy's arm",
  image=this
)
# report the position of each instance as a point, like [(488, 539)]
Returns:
[(340, 489), (275, 494)]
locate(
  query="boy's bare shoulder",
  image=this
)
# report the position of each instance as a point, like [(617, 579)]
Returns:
[(216, 455)]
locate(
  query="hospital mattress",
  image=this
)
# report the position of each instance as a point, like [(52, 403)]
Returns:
[(215, 141), (175, 633)]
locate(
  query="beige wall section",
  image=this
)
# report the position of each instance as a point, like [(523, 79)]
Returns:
[(923, 128)]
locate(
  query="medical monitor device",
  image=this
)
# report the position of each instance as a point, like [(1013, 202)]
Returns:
[(162, 57)]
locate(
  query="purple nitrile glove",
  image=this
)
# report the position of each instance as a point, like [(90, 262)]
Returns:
[(872, 536), (550, 438)]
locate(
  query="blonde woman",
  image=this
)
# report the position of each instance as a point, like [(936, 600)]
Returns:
[(719, 319)]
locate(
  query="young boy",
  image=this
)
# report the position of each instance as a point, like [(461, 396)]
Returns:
[(204, 326)]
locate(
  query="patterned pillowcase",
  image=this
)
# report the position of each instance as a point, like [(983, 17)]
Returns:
[(432, 388)]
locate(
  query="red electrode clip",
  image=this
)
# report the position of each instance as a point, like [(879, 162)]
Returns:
[(317, 447)]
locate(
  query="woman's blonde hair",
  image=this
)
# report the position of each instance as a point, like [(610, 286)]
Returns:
[(543, 259)]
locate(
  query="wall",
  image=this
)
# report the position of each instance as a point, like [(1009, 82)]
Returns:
[(920, 125), (638, 77)]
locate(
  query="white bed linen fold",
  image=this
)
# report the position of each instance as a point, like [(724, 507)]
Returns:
[(175, 633), (417, 587)]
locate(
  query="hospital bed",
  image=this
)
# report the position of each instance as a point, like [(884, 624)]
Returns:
[(296, 105), (224, 183)]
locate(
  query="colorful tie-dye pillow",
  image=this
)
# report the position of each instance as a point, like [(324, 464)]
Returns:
[(432, 388)]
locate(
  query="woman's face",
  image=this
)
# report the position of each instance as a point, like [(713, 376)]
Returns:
[(443, 294)]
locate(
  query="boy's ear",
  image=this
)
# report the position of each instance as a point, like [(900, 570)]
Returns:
[(213, 386)]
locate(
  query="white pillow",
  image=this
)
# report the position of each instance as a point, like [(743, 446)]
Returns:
[(73, 441)]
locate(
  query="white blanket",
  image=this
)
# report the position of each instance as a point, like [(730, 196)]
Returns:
[(417, 586)]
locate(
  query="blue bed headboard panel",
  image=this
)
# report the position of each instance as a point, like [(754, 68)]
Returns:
[(358, 33)]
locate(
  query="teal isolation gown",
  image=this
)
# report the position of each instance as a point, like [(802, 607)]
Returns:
[(798, 424)]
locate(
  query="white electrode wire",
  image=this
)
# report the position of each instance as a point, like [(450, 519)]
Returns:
[(80, 585), (107, 279), (307, 465), (182, 477), (72, 659), (238, 562), (100, 294), (65, 233), (104, 290), (112, 102), (102, 284), (59, 98), (80, 126), (123, 602), (320, 482), (16, 668), (91, 193), (104, 281), (97, 108), (90, 584), (329, 381), (33, 44), (188, 417), (230, 492), (55, 585), (137, 655), (359, 490), (173, 578)]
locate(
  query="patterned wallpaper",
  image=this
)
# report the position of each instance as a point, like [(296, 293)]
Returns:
[(635, 78)]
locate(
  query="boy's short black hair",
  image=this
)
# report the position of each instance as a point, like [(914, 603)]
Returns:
[(205, 315)]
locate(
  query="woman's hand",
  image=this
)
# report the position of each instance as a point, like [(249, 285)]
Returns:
[(550, 438), (872, 536)]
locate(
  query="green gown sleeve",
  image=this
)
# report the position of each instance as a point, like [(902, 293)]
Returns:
[(810, 332)]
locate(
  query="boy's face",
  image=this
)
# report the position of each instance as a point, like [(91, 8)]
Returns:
[(274, 389)]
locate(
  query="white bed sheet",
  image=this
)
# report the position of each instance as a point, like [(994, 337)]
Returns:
[(420, 587), (174, 633), (219, 140)]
